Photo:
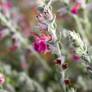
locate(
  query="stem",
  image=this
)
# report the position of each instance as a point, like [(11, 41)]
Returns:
[(80, 29), (52, 30)]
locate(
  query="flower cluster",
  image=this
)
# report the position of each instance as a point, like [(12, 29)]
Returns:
[(46, 24)]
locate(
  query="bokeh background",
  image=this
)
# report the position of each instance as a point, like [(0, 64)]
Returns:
[(23, 71)]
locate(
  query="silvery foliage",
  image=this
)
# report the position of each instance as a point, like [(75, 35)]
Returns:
[(26, 84), (50, 18), (73, 40)]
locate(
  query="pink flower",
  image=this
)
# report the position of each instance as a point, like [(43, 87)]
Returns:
[(40, 46), (9, 4), (43, 26), (43, 36), (46, 37), (75, 8), (2, 79), (41, 18), (82, 3), (76, 58), (3, 33)]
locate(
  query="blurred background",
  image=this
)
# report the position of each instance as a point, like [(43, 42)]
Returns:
[(27, 71)]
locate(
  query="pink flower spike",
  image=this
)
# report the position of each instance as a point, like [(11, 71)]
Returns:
[(75, 8), (2, 79)]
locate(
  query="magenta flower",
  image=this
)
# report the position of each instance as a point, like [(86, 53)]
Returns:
[(3, 33), (40, 46), (76, 58), (2, 79), (75, 8)]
